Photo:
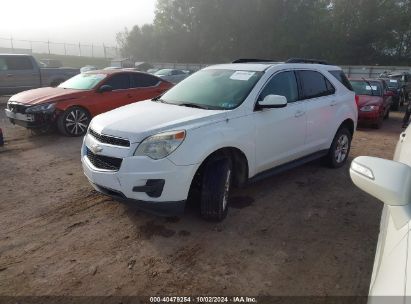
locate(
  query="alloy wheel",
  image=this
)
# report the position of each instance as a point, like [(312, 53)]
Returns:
[(76, 122), (341, 149)]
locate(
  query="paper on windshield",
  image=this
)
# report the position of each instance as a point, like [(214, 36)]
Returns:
[(242, 75), (368, 88), (393, 80)]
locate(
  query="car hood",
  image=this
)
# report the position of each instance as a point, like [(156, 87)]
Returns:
[(142, 119), (44, 95), (365, 100)]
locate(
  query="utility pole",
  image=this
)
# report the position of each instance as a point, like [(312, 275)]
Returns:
[(11, 42)]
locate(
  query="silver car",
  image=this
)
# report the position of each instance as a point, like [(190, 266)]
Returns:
[(172, 75)]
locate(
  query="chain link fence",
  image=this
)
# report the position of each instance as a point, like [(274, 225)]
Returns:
[(10, 45)]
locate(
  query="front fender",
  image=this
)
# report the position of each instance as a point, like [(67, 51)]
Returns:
[(203, 141)]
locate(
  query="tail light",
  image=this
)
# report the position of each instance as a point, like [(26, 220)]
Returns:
[(357, 99)]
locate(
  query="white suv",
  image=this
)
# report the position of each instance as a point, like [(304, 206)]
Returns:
[(220, 127)]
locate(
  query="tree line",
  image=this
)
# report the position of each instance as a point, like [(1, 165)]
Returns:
[(211, 31)]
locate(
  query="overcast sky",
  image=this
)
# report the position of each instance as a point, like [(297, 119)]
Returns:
[(86, 21)]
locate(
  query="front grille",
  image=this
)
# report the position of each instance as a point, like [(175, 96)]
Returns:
[(104, 162), (115, 141), (16, 107)]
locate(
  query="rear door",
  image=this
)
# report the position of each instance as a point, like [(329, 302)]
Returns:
[(21, 73), (118, 97), (321, 105), (280, 133), (145, 86)]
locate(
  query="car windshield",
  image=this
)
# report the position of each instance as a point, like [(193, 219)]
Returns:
[(83, 81), (213, 89), (372, 88), (163, 72)]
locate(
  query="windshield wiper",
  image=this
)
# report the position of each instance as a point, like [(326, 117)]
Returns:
[(195, 105)]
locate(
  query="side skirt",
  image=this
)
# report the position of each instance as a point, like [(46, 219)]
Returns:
[(287, 166)]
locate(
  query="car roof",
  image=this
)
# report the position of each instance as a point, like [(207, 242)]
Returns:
[(114, 71), (263, 66), (8, 54), (366, 79)]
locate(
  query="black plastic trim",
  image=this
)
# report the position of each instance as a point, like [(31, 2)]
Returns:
[(288, 166)]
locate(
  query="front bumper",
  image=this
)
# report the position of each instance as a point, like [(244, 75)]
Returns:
[(368, 117), (156, 185), (37, 120)]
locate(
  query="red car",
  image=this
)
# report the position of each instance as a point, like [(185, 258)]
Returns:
[(72, 104), (374, 101)]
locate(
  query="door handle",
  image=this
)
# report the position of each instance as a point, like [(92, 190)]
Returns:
[(129, 96), (333, 103), (299, 113), (10, 75)]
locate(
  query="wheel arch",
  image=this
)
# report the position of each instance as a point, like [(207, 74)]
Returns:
[(239, 162), (349, 124)]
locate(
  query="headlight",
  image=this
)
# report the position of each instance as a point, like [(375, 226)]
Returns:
[(369, 108), (160, 145), (45, 108)]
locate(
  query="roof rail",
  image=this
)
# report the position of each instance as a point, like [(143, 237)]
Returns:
[(244, 60), (302, 60)]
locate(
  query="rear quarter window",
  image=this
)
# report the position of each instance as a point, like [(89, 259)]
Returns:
[(342, 78)]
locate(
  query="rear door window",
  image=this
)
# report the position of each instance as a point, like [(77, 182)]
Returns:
[(139, 80), (342, 78), (314, 84), (119, 81), (18, 63)]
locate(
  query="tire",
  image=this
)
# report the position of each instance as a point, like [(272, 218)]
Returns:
[(395, 105), (387, 115), (402, 98), (341, 144), (215, 190), (74, 122), (379, 123)]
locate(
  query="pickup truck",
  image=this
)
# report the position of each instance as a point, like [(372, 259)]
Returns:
[(22, 72)]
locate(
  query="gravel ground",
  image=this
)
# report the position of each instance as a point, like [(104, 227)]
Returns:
[(308, 231)]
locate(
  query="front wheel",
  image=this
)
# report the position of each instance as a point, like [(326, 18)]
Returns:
[(74, 122), (340, 148), (216, 189)]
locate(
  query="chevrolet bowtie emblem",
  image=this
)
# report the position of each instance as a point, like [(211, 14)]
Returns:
[(96, 148)]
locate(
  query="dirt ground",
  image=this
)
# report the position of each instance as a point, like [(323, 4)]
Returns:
[(308, 231)]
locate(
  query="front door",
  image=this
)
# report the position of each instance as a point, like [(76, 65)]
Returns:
[(280, 133), (118, 97)]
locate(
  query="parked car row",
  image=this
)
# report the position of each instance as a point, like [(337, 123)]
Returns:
[(223, 127)]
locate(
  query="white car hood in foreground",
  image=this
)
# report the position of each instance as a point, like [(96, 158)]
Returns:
[(142, 119)]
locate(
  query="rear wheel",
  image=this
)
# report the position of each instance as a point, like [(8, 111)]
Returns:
[(74, 122), (340, 148), (216, 189)]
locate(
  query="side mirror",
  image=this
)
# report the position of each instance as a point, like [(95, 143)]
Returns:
[(386, 180), (272, 102), (105, 88)]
